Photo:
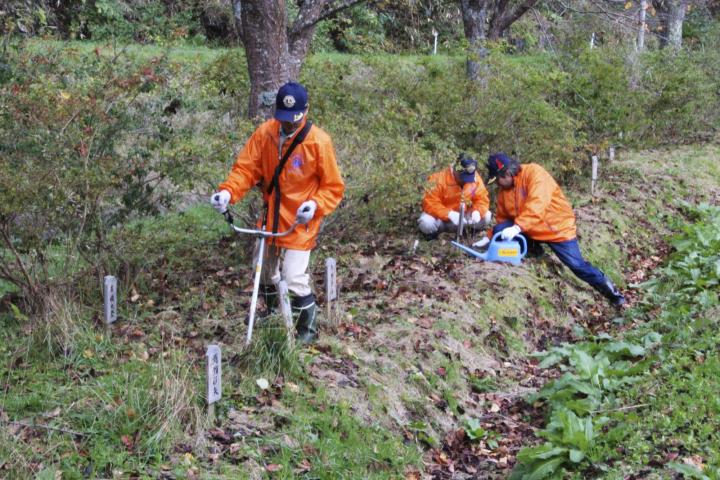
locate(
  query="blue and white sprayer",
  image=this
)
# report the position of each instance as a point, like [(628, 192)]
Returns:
[(508, 251)]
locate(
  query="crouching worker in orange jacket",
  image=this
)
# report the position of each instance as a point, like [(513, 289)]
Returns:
[(530, 201), (446, 190), (306, 187)]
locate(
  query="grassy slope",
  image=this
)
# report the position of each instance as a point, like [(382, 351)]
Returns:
[(427, 340)]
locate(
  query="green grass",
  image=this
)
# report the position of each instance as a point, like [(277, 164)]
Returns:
[(99, 417), (337, 445)]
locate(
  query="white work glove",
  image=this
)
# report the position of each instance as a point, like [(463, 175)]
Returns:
[(488, 217), (220, 200), (454, 217), (481, 243), (474, 217), (510, 232), (306, 212)]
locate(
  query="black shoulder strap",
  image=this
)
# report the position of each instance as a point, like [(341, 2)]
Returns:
[(275, 183)]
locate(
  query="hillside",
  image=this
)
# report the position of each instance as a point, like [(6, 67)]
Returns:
[(108, 156), (427, 340)]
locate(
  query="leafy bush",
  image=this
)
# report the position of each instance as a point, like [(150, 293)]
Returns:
[(692, 276), (80, 146), (594, 370)]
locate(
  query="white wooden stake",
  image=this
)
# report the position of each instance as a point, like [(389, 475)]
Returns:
[(592, 40), (435, 34), (214, 377), (286, 309), (110, 299), (330, 288), (593, 182), (611, 154)]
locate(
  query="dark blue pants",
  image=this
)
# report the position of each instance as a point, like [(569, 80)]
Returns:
[(569, 253)]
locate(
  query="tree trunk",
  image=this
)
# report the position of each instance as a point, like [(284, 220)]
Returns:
[(641, 30), (475, 17), (275, 52), (672, 16), (264, 26), (485, 20)]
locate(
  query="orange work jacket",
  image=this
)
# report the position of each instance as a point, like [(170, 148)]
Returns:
[(444, 193), (537, 205), (311, 173)]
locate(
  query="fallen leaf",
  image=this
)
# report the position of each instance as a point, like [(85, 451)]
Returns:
[(273, 467), (52, 413), (128, 442), (304, 466)]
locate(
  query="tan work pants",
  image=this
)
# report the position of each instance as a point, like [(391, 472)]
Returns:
[(285, 264)]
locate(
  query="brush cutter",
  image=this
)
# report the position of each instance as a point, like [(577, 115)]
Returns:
[(261, 235)]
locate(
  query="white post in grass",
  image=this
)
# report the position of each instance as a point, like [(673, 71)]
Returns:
[(435, 34), (611, 154), (286, 309), (110, 300), (214, 378), (592, 40), (593, 182), (330, 288)]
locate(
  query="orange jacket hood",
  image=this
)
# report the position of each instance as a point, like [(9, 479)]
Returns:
[(311, 173), (537, 205), (443, 195)]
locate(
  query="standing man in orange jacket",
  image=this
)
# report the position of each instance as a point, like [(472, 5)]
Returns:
[(306, 188), (447, 189), (531, 202)]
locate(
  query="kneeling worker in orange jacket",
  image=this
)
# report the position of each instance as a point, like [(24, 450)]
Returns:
[(531, 202), (447, 189), (306, 188)]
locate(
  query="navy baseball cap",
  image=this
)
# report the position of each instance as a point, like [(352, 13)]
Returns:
[(291, 102), (465, 168), (497, 164)]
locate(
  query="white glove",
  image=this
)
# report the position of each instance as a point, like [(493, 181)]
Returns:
[(454, 217), (306, 212), (481, 243), (220, 200), (510, 232), (474, 217), (488, 217)]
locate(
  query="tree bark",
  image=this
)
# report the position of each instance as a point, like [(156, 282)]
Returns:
[(475, 17), (485, 20), (264, 26), (275, 50), (672, 17), (505, 15), (641, 30)]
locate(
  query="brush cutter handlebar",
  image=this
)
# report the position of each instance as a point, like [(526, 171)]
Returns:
[(257, 233)]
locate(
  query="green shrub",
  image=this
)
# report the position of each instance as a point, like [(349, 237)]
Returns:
[(81, 149)]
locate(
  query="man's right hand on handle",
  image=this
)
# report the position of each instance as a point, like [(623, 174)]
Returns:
[(220, 200), (454, 217)]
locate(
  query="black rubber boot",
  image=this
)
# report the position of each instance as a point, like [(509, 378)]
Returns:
[(610, 291), (306, 310), (270, 295)]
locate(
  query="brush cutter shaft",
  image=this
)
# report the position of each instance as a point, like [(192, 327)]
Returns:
[(262, 235), (461, 223), (256, 289)]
